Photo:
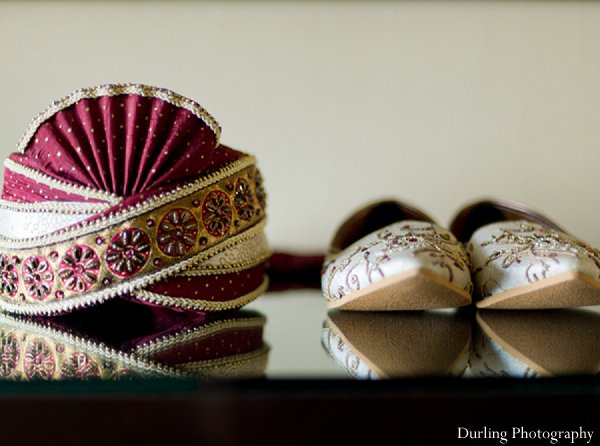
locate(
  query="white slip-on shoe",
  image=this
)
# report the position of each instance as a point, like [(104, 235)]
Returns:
[(521, 259), (391, 256)]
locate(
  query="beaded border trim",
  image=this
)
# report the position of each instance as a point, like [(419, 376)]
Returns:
[(59, 207), (210, 270)]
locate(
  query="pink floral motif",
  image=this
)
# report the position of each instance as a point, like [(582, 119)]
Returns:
[(38, 277), (39, 362), (9, 278), (11, 352), (177, 232), (128, 252), (217, 213), (80, 365), (79, 268)]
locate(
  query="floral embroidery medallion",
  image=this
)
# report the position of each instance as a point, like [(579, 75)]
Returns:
[(79, 268), (217, 213), (9, 279), (177, 232), (10, 354), (38, 277), (128, 252), (81, 366), (243, 199), (39, 362)]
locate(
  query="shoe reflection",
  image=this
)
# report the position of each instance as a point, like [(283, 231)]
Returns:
[(120, 340), (536, 343), (371, 345)]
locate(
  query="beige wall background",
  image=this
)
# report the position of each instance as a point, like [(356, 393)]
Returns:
[(436, 103)]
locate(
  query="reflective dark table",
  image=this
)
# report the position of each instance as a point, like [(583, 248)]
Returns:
[(285, 370)]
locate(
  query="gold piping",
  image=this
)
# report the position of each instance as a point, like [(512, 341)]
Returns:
[(54, 307)]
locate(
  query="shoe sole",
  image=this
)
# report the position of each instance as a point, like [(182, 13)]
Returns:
[(414, 290), (571, 289)]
